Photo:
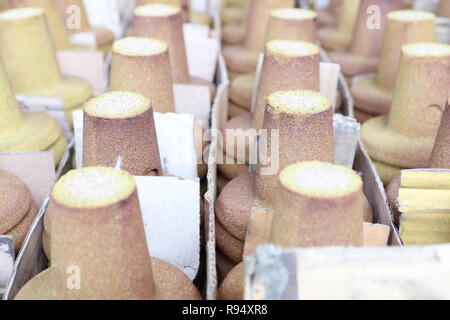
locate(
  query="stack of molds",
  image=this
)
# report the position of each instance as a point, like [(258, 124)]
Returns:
[(424, 203)]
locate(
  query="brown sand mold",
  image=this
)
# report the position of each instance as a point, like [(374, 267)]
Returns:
[(403, 27), (142, 65), (46, 245), (363, 53), (164, 22), (288, 65), (234, 110), (221, 183), (58, 32), (232, 15), (20, 231), (15, 199), (234, 204), (240, 60), (224, 265), (32, 66), (298, 116), (114, 125), (444, 8), (362, 116), (292, 24), (105, 200), (232, 287), (233, 33), (240, 130), (440, 157), (241, 90), (339, 36), (328, 15), (170, 283), (406, 137), (303, 216), (386, 172), (231, 247), (244, 58), (230, 169)]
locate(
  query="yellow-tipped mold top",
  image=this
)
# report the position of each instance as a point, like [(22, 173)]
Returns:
[(411, 15), (136, 46), (21, 13), (156, 10), (320, 179), (117, 105), (420, 50), (292, 48), (93, 187), (298, 102), (293, 14)]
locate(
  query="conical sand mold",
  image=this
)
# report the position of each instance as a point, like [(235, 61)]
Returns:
[(284, 24), (363, 53), (244, 58), (164, 22), (374, 94), (121, 124), (55, 23), (297, 115), (170, 284), (141, 65), (406, 137), (104, 199), (31, 63), (288, 65), (440, 157), (319, 204), (339, 36)]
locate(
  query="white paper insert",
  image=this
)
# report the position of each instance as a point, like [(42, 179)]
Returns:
[(171, 214)]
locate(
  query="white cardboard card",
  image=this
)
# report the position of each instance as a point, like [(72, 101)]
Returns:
[(202, 55), (195, 100), (171, 214), (194, 30), (175, 134), (111, 14)]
